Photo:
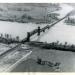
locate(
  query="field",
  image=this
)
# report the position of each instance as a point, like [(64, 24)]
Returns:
[(26, 12), (4, 48), (66, 60)]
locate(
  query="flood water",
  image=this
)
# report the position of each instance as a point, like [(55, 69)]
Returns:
[(61, 32), (17, 29)]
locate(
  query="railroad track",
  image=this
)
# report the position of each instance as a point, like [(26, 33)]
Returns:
[(11, 58), (19, 61), (10, 50)]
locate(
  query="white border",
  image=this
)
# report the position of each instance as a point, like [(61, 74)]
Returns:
[(37, 1)]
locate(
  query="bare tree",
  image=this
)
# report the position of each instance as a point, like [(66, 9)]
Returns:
[(65, 43), (7, 36), (1, 35), (17, 38)]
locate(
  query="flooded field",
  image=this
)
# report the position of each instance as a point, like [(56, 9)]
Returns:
[(60, 32), (65, 58), (18, 29)]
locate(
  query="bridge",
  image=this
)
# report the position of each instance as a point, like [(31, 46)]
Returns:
[(39, 30)]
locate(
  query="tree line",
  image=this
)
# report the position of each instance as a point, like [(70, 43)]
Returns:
[(70, 21), (54, 45), (7, 38)]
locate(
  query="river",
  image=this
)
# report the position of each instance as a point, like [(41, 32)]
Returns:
[(17, 29)]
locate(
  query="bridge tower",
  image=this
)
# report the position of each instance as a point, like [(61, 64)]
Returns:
[(38, 30)]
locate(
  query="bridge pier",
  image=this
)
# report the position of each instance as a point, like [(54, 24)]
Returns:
[(28, 36)]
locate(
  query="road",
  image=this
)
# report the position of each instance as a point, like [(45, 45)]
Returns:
[(12, 58), (18, 62)]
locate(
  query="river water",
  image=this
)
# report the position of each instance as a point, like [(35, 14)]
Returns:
[(60, 32), (17, 29)]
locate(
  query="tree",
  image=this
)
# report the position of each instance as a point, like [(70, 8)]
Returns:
[(1, 35), (57, 42), (7, 36), (72, 46), (65, 43), (29, 17), (68, 18), (24, 16), (17, 38)]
